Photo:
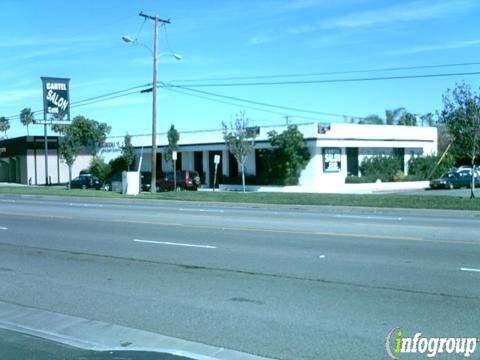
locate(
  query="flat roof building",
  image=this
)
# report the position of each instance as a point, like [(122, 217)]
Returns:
[(336, 150), (22, 160)]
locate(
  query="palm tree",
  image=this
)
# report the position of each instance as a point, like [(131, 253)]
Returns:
[(4, 125), (392, 117), (27, 117)]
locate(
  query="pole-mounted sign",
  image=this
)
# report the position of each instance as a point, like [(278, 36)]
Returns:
[(56, 100), (56, 103)]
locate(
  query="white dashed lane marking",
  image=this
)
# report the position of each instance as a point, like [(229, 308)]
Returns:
[(174, 244), (470, 269)]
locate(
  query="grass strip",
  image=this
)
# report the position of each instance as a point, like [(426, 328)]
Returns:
[(370, 200)]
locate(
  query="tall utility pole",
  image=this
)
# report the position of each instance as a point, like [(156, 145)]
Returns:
[(156, 21)]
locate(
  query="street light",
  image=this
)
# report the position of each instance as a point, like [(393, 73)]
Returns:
[(128, 39)]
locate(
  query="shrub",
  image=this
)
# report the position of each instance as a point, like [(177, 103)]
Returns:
[(117, 165), (359, 179), (425, 167), (382, 167), (399, 176), (99, 168)]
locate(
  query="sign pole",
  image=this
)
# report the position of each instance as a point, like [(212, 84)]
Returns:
[(46, 152), (216, 160)]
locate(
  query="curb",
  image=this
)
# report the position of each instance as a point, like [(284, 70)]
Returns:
[(101, 336)]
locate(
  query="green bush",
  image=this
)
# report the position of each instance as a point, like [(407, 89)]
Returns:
[(384, 168), (359, 179), (399, 176), (117, 165), (99, 168), (426, 168)]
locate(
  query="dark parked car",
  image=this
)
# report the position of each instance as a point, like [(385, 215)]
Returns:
[(86, 181), (454, 180), (186, 180)]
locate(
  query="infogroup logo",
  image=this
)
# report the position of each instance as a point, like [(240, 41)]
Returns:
[(397, 343)]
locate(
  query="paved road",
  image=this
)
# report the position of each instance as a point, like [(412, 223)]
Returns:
[(18, 346), (280, 282)]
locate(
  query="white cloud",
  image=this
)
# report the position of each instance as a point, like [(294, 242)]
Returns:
[(263, 39), (303, 29), (436, 47), (405, 12), (20, 95), (295, 5)]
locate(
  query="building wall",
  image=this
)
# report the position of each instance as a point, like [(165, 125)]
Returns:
[(371, 140), (57, 168), (4, 170)]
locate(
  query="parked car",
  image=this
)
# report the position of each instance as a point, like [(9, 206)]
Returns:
[(86, 181), (186, 180), (468, 168), (145, 181), (454, 180)]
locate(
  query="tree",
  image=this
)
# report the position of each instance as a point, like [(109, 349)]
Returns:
[(4, 125), (372, 120), (427, 119), (240, 141), (173, 137), (128, 151), (68, 149), (81, 133), (27, 117), (461, 116), (290, 154), (407, 119), (88, 133), (59, 128), (392, 116)]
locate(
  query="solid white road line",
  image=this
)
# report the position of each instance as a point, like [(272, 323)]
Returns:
[(175, 244), (7, 201), (368, 217), (470, 269), (3, 228)]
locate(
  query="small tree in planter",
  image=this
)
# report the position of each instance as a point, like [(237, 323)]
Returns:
[(240, 140)]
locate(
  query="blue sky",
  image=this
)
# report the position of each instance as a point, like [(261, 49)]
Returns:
[(81, 40)]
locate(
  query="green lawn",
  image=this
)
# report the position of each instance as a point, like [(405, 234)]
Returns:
[(384, 200)]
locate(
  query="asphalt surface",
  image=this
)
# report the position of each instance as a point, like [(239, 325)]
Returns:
[(18, 346), (277, 281)]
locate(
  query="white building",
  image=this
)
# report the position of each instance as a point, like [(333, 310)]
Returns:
[(336, 150)]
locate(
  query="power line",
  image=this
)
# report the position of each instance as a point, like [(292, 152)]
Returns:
[(299, 82), (263, 103), (254, 77), (109, 94), (92, 100), (176, 90)]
